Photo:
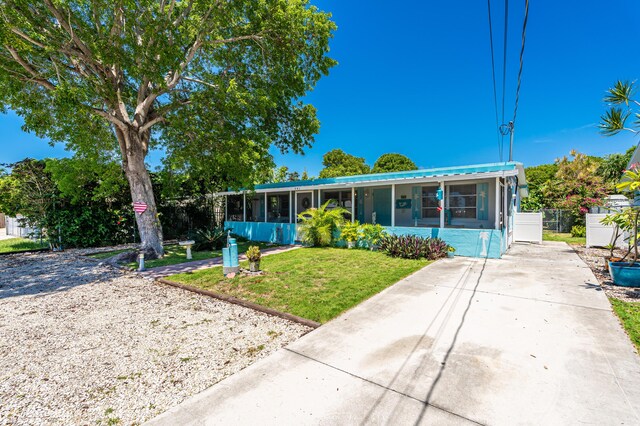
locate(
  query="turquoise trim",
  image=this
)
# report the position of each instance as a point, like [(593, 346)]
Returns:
[(360, 203), (277, 233), (413, 174), (482, 201)]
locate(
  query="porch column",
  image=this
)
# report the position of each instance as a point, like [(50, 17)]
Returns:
[(393, 204), (266, 207), (497, 211), (313, 194), (353, 204), (290, 208), (442, 205), (244, 206), (226, 208)]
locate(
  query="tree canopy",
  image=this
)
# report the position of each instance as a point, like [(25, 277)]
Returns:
[(393, 163), (214, 83), (338, 163)]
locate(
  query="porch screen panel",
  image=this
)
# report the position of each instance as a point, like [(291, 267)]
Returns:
[(278, 208), (416, 204), (430, 203), (463, 201), (360, 203), (234, 208), (482, 201)]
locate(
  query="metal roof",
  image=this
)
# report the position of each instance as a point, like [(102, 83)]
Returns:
[(477, 171)]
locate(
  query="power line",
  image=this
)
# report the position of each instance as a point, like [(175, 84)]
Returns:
[(504, 54), (524, 36), (493, 74)]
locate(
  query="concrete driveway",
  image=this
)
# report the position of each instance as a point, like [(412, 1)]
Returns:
[(529, 339)]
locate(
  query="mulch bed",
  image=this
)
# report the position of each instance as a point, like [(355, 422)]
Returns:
[(594, 257)]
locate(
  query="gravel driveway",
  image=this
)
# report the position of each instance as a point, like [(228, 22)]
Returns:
[(82, 343)]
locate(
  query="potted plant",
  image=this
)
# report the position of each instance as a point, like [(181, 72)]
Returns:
[(628, 273), (622, 222), (350, 232), (253, 256), (450, 251), (372, 234)]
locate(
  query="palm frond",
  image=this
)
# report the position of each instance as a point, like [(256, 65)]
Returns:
[(613, 121), (620, 93)]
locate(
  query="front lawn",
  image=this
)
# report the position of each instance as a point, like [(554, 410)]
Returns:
[(564, 237), (312, 283), (19, 244), (629, 313), (174, 254)]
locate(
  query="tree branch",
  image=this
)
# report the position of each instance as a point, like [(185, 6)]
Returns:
[(27, 67)]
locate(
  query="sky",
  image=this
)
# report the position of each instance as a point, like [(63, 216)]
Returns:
[(415, 78)]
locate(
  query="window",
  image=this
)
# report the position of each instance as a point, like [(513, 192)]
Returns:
[(429, 202), (278, 208), (462, 201), (255, 208), (341, 198), (234, 208)]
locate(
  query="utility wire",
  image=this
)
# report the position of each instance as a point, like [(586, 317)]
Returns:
[(504, 54), (493, 74), (524, 35)]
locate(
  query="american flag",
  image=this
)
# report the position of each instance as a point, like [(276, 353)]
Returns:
[(139, 207)]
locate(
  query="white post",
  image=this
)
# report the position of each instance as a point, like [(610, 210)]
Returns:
[(442, 205), (313, 193), (353, 204), (244, 206), (291, 207), (393, 204), (266, 207), (497, 211)]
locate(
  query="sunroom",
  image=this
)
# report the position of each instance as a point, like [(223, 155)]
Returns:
[(470, 207)]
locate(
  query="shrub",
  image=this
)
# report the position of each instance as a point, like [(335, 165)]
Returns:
[(210, 239), (373, 234), (253, 254), (319, 225), (413, 247), (350, 231), (578, 231)]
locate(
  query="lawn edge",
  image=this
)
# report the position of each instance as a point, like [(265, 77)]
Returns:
[(40, 250), (240, 302)]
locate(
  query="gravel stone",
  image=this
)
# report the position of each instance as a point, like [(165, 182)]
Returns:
[(82, 342)]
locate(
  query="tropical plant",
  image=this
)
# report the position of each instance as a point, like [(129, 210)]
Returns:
[(578, 231), (253, 254), (622, 222), (350, 231), (413, 247), (210, 238), (214, 83), (338, 163), (630, 184), (615, 118), (319, 225), (372, 234)]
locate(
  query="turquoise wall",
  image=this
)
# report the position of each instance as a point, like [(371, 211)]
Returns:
[(467, 242), (282, 233)]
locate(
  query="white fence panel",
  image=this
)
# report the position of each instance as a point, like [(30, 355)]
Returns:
[(528, 227), (599, 235), (14, 229)]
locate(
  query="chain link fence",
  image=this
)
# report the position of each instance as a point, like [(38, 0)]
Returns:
[(557, 220)]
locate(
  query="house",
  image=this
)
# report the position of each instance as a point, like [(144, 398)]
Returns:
[(470, 207)]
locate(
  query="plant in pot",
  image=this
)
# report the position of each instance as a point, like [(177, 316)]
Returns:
[(628, 273), (253, 256), (350, 232), (372, 234), (450, 251), (622, 223)]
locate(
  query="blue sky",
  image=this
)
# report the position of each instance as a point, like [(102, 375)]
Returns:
[(415, 78)]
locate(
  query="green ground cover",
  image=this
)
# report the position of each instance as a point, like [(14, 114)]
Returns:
[(564, 237), (175, 254), (629, 313), (19, 244), (313, 283)]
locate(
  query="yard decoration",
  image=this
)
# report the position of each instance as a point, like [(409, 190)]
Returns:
[(319, 225), (351, 232), (628, 273), (253, 256)]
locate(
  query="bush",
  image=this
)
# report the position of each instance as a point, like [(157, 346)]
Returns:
[(578, 231), (413, 247), (210, 239), (319, 226), (350, 231), (373, 234)]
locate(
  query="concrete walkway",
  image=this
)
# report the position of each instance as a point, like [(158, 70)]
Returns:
[(165, 271), (3, 234), (529, 339)]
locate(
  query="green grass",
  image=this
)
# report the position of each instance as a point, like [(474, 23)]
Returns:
[(564, 237), (313, 283), (19, 244), (629, 313), (174, 254)]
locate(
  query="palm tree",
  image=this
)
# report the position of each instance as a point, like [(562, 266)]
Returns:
[(319, 225), (622, 102)]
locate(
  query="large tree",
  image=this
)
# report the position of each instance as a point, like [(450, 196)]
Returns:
[(393, 163), (338, 163), (214, 82)]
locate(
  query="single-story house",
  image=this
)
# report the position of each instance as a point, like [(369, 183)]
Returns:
[(470, 207)]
